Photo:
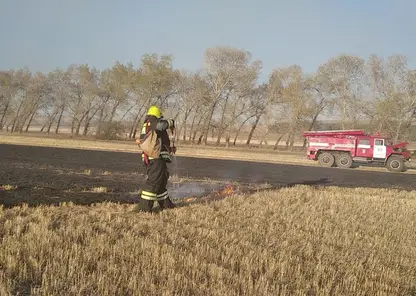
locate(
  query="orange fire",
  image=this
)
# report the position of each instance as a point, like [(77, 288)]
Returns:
[(226, 191)]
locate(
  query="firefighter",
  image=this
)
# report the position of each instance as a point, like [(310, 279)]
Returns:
[(156, 168)]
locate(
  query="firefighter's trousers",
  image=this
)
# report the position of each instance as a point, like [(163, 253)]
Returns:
[(155, 186)]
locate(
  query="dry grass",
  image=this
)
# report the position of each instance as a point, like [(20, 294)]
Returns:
[(7, 187), (300, 240), (100, 189), (234, 153)]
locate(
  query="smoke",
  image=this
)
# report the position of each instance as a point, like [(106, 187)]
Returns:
[(193, 189)]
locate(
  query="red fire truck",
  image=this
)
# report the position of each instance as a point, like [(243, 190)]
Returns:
[(341, 148)]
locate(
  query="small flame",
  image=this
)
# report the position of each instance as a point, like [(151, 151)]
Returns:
[(226, 191)]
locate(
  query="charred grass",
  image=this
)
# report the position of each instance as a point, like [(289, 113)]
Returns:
[(241, 153), (264, 155), (301, 240)]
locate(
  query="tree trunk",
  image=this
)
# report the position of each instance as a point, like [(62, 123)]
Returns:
[(113, 111), (263, 139), (15, 120), (200, 138), (78, 128), (277, 142), (73, 124), (237, 134), (184, 134), (315, 117), (86, 123), (58, 124), (43, 127), (88, 120), (132, 129), (184, 125), (134, 132), (30, 121), (100, 121), (4, 115), (292, 142), (208, 123), (136, 123), (239, 129), (253, 128), (51, 122), (288, 142), (220, 133), (227, 140), (398, 131), (83, 118), (192, 137), (86, 126), (193, 129)]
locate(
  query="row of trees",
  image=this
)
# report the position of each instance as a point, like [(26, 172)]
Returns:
[(220, 100)]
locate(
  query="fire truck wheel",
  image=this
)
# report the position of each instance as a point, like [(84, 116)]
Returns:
[(395, 164), (326, 159), (343, 160)]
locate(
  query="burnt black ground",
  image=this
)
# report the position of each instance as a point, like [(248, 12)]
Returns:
[(45, 175)]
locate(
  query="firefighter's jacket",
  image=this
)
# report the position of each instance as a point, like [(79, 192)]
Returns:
[(160, 126)]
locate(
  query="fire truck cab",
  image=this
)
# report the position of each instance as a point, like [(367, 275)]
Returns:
[(341, 148)]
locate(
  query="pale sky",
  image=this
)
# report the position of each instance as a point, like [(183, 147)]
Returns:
[(45, 34)]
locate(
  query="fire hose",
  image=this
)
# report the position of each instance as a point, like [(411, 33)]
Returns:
[(173, 132), (173, 150)]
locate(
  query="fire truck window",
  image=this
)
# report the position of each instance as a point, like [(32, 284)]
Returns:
[(364, 142), (379, 142)]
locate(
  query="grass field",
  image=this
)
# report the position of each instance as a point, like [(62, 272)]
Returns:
[(295, 241)]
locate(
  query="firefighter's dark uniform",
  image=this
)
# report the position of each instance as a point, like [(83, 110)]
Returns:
[(156, 169)]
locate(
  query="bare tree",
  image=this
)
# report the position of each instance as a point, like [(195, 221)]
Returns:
[(55, 103), (393, 88), (22, 79), (9, 88), (341, 80), (83, 83), (231, 77), (115, 90), (259, 102), (221, 100), (297, 102), (156, 84)]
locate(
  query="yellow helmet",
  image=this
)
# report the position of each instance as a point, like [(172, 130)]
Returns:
[(155, 111)]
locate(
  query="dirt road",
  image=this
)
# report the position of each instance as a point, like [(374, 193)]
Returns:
[(49, 175)]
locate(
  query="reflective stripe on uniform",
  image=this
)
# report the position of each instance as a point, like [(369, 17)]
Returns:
[(162, 196), (153, 196), (144, 128), (149, 157), (149, 195), (165, 155)]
